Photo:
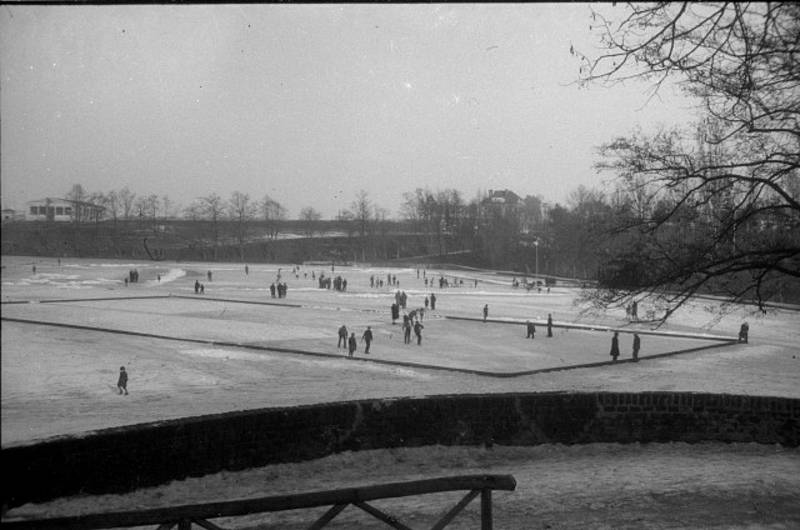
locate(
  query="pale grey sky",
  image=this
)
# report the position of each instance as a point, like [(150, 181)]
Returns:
[(308, 103)]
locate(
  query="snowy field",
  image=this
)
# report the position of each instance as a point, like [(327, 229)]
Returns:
[(62, 380)]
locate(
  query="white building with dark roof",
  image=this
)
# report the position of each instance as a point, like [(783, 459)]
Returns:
[(61, 210)]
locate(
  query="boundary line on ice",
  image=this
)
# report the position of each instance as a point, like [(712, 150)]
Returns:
[(593, 327), (364, 359)]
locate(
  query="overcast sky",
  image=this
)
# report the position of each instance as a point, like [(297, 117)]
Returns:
[(306, 103)]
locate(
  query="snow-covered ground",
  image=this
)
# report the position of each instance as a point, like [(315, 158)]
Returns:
[(62, 381)]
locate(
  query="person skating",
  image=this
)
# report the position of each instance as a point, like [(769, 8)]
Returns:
[(342, 337), (485, 312), (531, 330), (367, 338), (122, 382), (637, 344), (615, 346), (549, 325), (351, 344), (418, 327)]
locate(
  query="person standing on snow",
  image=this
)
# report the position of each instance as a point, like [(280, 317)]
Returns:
[(418, 332), (615, 346), (122, 382), (342, 337), (367, 338), (637, 344), (351, 345)]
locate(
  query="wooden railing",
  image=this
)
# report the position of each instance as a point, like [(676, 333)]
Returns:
[(183, 517)]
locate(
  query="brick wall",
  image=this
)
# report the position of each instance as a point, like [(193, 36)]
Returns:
[(123, 459)]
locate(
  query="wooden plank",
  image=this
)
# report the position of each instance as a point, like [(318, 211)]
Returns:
[(275, 503), (449, 516), (386, 518), (327, 517), (208, 525), (486, 509)]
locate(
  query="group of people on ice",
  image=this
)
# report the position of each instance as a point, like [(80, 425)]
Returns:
[(351, 343), (278, 289), (637, 345)]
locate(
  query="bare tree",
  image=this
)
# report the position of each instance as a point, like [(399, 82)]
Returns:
[(212, 208), (127, 199), (241, 211), (362, 209), (272, 212), (734, 180), (310, 215)]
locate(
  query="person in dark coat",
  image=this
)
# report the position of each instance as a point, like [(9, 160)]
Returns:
[(744, 330), (351, 344), (433, 302), (395, 312), (367, 338), (272, 290), (637, 345), (202, 289), (342, 337), (549, 325), (615, 346), (122, 382), (426, 302), (485, 312), (406, 332), (531, 330), (418, 327)]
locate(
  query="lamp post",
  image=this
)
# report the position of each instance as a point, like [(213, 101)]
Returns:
[(536, 246)]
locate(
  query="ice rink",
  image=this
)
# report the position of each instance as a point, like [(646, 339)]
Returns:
[(68, 327)]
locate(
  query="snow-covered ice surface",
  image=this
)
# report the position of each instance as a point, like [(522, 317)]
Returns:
[(61, 381)]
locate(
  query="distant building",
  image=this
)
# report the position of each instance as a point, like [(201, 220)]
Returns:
[(502, 202), (10, 214), (61, 210)]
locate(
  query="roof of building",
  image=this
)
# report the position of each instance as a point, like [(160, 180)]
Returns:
[(49, 200)]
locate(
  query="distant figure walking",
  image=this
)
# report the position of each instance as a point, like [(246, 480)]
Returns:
[(122, 382), (635, 310), (246, 270), (351, 344), (485, 312), (615, 346), (196, 286), (395, 312), (433, 302), (367, 338), (531, 330), (342, 337), (744, 330), (637, 345), (549, 325), (208, 275), (418, 327)]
